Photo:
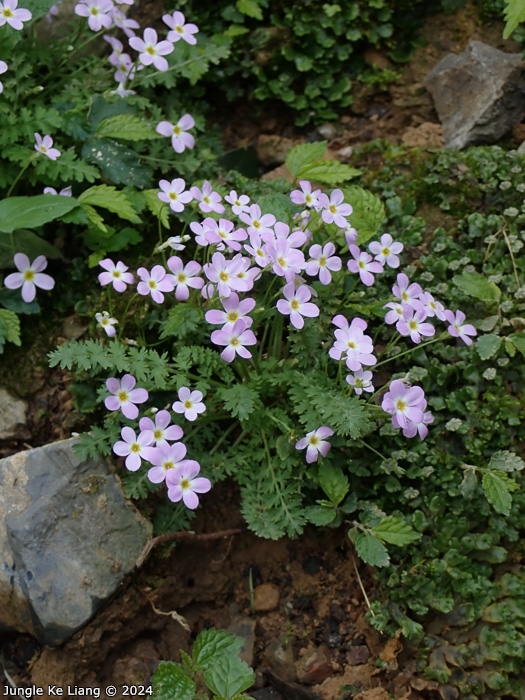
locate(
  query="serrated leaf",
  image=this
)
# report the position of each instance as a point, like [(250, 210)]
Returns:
[(240, 400), (488, 345), (127, 127), (118, 163), (514, 14), (212, 644), (95, 219), (517, 340), (333, 482), (279, 205), (158, 208), (396, 531), (368, 212), (371, 550), (11, 324), (505, 461), (497, 492), (31, 212), (250, 8), (330, 172), (321, 515), (110, 198), (229, 676), (303, 155), (476, 285), (170, 682)]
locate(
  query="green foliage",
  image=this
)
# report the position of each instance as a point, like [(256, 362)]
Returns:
[(305, 162), (368, 212), (127, 127), (32, 212), (514, 15)]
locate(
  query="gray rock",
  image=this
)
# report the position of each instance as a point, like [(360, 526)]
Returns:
[(479, 94), (12, 416), (244, 627), (68, 539)]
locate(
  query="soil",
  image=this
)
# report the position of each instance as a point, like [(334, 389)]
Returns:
[(313, 592)]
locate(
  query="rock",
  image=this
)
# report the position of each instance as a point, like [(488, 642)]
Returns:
[(355, 656), (290, 690), (426, 134), (12, 416), (266, 597), (68, 539), (272, 149), (479, 95), (266, 694), (314, 666), (244, 627), (279, 658)]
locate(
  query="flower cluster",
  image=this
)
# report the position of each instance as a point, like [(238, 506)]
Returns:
[(407, 407)]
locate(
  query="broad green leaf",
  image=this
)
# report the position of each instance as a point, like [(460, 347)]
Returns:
[(12, 299), (514, 14), (279, 205), (321, 515), (476, 285), (469, 484), (24, 241), (303, 155), (395, 531), (229, 676), (330, 172), (11, 325), (100, 110), (170, 682), (127, 127), (488, 345), (31, 212), (497, 492), (250, 8), (368, 212), (212, 644), (118, 163), (333, 482), (517, 340), (505, 461), (111, 199), (488, 324), (371, 550), (38, 8)]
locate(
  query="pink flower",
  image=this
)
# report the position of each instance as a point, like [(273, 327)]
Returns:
[(239, 204), (180, 139), (125, 23), (116, 274), (185, 277), (334, 211), (161, 428), (353, 345), (396, 311), (257, 223), (3, 68), (189, 403), (314, 443), (234, 339), (386, 250), (321, 262), (287, 261), (225, 273), (44, 145), (125, 396), (107, 323), (223, 232), (363, 264), (155, 283), (432, 307), (305, 196), (134, 448), (165, 457), (29, 276), (361, 380), (234, 311), (179, 29), (412, 324), (174, 194), (411, 428), (406, 292), (183, 484), (458, 329), (297, 304), (209, 200), (98, 13), (150, 50), (13, 17), (406, 404), (258, 249), (65, 192)]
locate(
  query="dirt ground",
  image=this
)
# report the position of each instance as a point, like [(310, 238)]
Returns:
[(300, 605)]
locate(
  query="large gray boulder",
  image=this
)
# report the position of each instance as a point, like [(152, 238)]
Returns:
[(68, 538), (479, 95)]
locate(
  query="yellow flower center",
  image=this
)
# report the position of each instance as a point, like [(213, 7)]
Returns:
[(232, 316), (351, 344), (256, 224), (400, 405), (404, 296), (152, 284), (176, 129), (184, 484), (150, 50), (188, 404), (294, 304), (412, 325), (116, 274), (157, 434), (223, 276), (361, 264), (181, 278), (93, 11), (122, 396), (206, 200), (313, 440), (7, 13), (234, 342), (385, 252), (281, 261), (333, 209), (167, 465), (173, 196), (43, 149), (134, 447), (179, 29), (322, 261), (29, 275)]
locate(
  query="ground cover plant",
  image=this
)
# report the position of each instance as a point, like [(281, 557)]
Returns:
[(308, 343)]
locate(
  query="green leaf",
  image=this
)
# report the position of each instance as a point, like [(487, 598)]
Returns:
[(11, 324), (240, 400), (396, 531), (118, 163), (279, 205), (488, 345), (333, 482), (505, 461), (110, 198), (496, 490), (330, 172), (127, 127), (31, 212), (321, 515), (24, 241), (303, 155), (476, 285), (371, 550), (158, 208), (514, 14), (249, 8), (211, 644), (12, 300), (469, 484), (170, 682), (368, 212), (517, 340), (229, 676)]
